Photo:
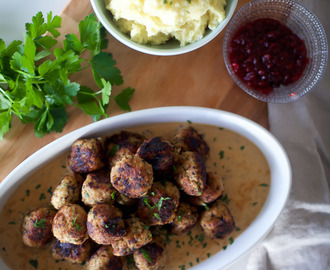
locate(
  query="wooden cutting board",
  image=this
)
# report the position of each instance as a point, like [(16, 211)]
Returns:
[(198, 78)]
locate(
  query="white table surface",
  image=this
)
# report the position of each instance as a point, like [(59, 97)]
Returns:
[(315, 106)]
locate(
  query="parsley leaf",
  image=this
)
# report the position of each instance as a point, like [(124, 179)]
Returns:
[(124, 97), (34, 75), (40, 223)]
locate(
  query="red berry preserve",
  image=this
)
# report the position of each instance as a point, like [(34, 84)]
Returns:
[(265, 54)]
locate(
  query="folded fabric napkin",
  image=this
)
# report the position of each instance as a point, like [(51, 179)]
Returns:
[(300, 238)]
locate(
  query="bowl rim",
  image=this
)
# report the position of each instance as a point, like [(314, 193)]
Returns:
[(157, 50), (323, 54), (262, 138)]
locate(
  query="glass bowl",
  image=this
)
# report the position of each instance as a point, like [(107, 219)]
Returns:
[(304, 24), (171, 47)]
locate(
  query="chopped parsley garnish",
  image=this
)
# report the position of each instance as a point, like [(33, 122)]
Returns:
[(34, 263), (175, 169), (74, 223), (231, 240), (12, 223), (221, 154), (157, 216), (263, 185), (206, 206), (40, 223), (146, 201), (242, 147), (42, 196), (38, 186), (27, 192), (201, 238), (114, 150), (189, 122), (50, 190), (146, 255), (225, 199), (113, 195), (160, 202)]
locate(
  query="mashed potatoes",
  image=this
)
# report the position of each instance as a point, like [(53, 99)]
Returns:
[(156, 21)]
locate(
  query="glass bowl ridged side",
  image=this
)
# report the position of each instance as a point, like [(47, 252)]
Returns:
[(302, 22)]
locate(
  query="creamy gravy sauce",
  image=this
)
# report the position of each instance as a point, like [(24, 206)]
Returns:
[(243, 167)]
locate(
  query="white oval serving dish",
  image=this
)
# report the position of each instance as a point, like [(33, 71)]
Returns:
[(273, 151)]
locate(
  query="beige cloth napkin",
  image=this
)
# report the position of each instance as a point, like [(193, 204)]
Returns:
[(300, 238)]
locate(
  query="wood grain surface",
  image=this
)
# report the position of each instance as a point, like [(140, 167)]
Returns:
[(198, 78)]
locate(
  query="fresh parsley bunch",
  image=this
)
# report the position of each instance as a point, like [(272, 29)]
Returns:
[(34, 75)]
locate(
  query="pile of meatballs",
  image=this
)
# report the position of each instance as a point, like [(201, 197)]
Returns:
[(124, 195)]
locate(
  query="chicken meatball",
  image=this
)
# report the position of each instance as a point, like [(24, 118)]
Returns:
[(69, 225), (159, 205), (37, 227), (159, 153), (122, 144), (150, 257), (186, 218), (137, 236), (190, 173), (72, 253), (103, 259), (97, 188), (67, 191), (217, 222), (105, 223), (188, 139), (213, 190), (87, 155), (132, 176)]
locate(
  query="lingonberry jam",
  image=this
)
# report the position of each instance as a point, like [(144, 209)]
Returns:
[(265, 54)]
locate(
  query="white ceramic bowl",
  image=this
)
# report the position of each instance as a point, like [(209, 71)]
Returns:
[(172, 47), (270, 147)]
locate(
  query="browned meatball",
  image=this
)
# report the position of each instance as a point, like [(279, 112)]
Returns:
[(97, 188), (103, 259), (217, 222), (151, 257), (159, 205), (122, 144), (186, 218), (69, 225), (213, 190), (159, 153), (37, 227), (87, 155), (105, 223), (67, 191), (72, 253), (188, 139), (137, 236), (132, 176), (190, 173)]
